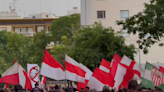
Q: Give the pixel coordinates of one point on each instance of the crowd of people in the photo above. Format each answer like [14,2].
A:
[132,87]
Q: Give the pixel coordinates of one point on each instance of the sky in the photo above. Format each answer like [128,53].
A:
[26,7]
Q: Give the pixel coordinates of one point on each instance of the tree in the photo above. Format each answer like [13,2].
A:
[63,31]
[149,24]
[96,42]
[65,26]
[23,49]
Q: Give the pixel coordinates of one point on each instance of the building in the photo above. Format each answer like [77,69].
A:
[28,27]
[9,15]
[42,15]
[74,11]
[109,11]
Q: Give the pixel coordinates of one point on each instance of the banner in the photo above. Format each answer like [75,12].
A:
[33,72]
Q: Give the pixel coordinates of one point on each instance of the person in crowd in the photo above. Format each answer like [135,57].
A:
[82,90]
[132,86]
[93,90]
[158,90]
[36,88]
[57,89]
[18,88]
[86,89]
[106,89]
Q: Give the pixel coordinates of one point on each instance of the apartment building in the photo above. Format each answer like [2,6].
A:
[109,11]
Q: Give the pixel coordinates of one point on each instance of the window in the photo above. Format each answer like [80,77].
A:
[23,30]
[47,16]
[124,33]
[33,17]
[30,30]
[40,29]
[3,29]
[17,30]
[100,14]
[124,14]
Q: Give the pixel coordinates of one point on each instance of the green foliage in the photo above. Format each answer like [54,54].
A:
[65,26]
[96,42]
[23,49]
[150,21]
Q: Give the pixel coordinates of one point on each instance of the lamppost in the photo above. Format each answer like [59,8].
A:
[139,43]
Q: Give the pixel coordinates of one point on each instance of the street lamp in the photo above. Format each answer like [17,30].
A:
[139,43]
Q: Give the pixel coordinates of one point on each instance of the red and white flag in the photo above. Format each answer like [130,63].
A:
[105,65]
[43,81]
[51,68]
[99,79]
[116,58]
[16,75]
[10,76]
[24,79]
[73,70]
[118,72]
[87,77]
[134,66]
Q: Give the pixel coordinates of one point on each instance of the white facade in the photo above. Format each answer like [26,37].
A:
[42,15]
[109,11]
[74,11]
[9,15]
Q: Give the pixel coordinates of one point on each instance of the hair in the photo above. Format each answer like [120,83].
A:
[132,85]
[87,87]
[82,88]
[56,87]
[18,88]
[1,90]
[125,90]
[106,89]
[36,84]
[93,90]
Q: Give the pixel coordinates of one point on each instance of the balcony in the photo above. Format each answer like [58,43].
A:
[30,34]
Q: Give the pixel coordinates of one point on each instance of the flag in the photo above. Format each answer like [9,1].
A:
[134,66]
[99,79]
[10,76]
[118,72]
[33,73]
[152,77]
[105,65]
[24,79]
[116,58]
[51,68]
[16,75]
[43,81]
[73,70]
[88,75]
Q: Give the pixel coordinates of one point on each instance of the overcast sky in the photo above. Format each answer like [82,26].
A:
[25,7]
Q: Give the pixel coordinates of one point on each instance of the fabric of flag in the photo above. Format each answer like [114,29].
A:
[152,77]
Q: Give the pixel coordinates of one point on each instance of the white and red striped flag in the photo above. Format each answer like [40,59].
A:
[73,70]
[51,68]
[87,77]
[43,81]
[99,79]
[157,77]
[16,75]
[105,65]
[119,72]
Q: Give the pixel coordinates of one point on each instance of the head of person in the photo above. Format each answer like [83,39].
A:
[56,87]
[36,85]
[86,89]
[82,90]
[92,90]
[133,85]
[18,88]
[144,89]
[106,89]
[158,90]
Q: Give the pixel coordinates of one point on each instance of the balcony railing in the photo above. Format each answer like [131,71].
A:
[26,34]
[57,82]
